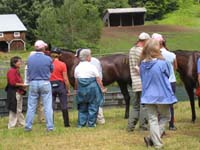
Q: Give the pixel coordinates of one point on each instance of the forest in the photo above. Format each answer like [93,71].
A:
[76,23]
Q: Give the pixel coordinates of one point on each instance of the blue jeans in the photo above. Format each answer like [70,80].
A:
[39,89]
[87,114]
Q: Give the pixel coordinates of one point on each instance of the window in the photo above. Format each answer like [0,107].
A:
[1,34]
[16,34]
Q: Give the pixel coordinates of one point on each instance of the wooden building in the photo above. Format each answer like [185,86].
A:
[124,17]
[12,33]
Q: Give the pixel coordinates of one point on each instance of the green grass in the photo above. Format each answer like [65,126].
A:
[187,15]
[111,136]
[175,40]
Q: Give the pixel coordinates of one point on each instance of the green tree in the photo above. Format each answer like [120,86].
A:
[73,25]
[27,11]
[102,5]
[156,8]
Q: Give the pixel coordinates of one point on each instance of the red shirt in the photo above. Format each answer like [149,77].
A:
[13,77]
[59,68]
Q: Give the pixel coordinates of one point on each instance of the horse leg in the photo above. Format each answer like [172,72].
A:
[125,93]
[190,92]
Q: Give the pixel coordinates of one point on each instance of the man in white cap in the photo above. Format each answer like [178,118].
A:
[39,69]
[138,112]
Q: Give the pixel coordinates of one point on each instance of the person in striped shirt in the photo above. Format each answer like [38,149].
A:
[138,112]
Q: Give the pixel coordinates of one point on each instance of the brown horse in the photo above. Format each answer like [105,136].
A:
[187,68]
[115,68]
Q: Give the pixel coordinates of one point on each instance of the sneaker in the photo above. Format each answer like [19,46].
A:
[172,128]
[27,129]
[49,130]
[148,141]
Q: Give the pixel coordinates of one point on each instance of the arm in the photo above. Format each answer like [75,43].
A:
[175,65]
[76,84]
[66,80]
[199,78]
[99,82]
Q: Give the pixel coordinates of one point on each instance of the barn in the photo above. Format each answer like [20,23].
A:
[12,33]
[124,17]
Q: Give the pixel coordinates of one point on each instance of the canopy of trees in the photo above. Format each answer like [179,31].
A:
[75,23]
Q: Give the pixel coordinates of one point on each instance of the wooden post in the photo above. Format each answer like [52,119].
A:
[120,20]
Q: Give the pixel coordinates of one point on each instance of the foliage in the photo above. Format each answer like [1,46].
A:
[187,15]
[156,8]
[102,5]
[28,12]
[72,25]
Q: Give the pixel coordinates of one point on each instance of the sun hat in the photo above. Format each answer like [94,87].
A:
[144,36]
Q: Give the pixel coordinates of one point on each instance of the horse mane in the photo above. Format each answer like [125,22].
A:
[67,50]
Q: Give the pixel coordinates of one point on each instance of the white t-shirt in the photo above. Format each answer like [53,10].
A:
[169,57]
[94,61]
[85,70]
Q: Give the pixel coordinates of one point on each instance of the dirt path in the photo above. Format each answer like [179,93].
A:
[135,30]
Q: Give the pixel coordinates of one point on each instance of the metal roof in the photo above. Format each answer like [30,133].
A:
[11,23]
[126,10]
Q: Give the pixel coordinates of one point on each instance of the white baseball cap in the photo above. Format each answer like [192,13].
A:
[144,36]
[157,37]
[39,44]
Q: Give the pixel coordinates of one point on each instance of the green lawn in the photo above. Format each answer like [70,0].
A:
[111,136]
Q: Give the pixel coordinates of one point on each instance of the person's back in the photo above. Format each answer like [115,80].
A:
[94,61]
[170,58]
[138,112]
[155,83]
[39,67]
[60,84]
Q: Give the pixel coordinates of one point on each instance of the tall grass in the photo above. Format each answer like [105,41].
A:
[111,136]
[187,15]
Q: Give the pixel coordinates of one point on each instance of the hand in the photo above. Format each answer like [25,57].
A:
[75,92]
[68,92]
[104,90]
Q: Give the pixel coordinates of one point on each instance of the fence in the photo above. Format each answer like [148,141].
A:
[112,98]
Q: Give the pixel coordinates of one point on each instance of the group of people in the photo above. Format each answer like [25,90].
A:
[152,68]
[47,79]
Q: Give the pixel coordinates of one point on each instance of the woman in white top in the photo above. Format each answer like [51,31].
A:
[89,90]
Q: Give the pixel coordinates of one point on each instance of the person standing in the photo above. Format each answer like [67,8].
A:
[170,57]
[15,90]
[138,111]
[89,90]
[39,68]
[40,108]
[157,94]
[94,61]
[60,84]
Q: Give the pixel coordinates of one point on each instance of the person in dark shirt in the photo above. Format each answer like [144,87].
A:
[15,90]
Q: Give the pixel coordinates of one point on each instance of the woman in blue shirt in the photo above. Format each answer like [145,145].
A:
[157,93]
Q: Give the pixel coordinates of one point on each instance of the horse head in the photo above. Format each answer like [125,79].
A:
[71,61]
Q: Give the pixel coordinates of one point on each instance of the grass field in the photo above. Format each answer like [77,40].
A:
[111,136]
